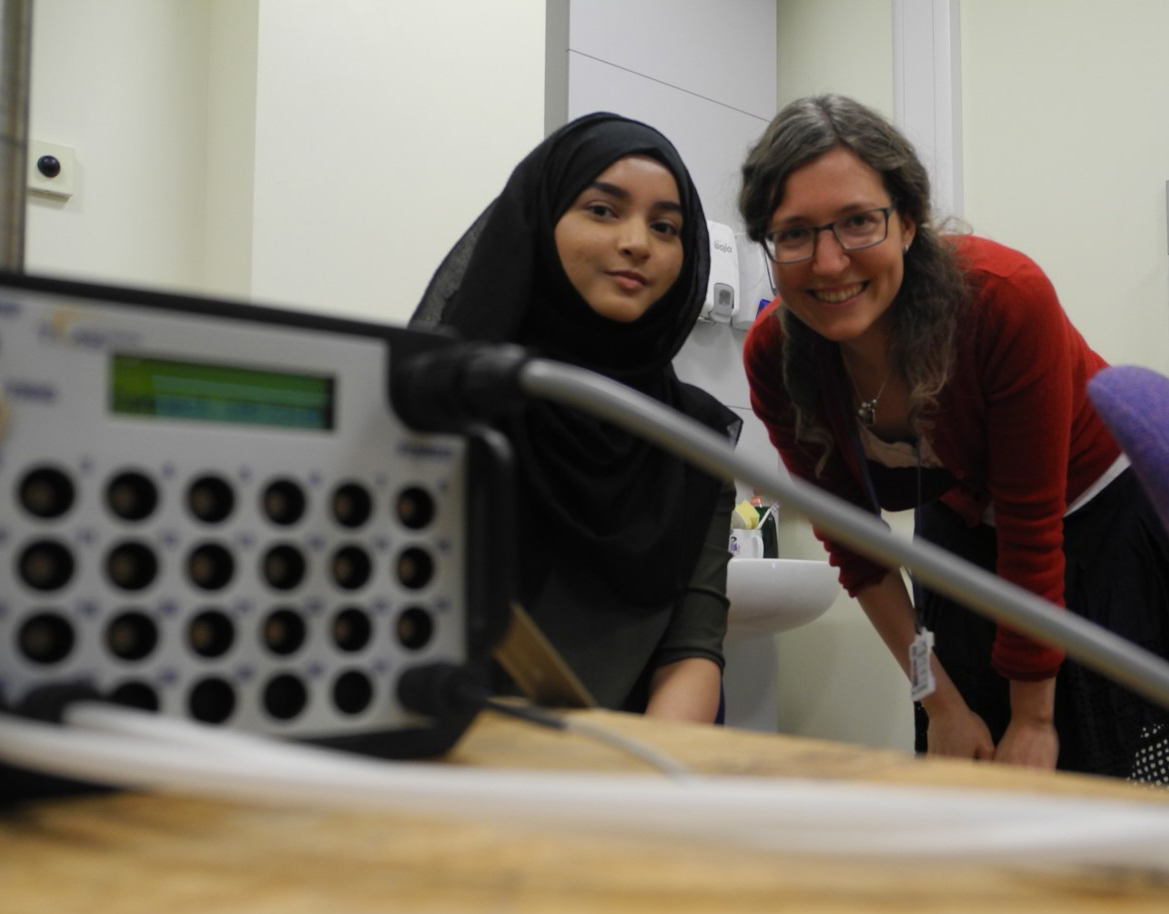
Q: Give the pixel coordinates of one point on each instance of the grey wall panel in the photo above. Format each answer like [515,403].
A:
[712,138]
[723,51]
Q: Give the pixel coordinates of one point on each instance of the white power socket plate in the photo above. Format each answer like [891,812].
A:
[62,184]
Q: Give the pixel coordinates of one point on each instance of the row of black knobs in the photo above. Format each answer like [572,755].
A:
[48,492]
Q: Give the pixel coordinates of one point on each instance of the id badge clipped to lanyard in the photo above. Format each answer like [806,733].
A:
[922,683]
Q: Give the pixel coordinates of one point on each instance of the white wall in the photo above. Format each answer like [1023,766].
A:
[123,83]
[841,46]
[323,155]
[1067,154]
[231,147]
[383,129]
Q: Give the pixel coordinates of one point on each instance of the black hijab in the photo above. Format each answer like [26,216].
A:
[593,493]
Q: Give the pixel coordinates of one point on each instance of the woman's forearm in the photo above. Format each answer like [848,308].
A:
[889,609]
[686,689]
[954,729]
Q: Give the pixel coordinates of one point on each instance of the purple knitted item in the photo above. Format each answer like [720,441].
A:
[1134,404]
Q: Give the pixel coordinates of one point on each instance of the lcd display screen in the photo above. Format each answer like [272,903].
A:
[207,392]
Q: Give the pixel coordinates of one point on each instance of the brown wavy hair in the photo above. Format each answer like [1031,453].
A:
[933,293]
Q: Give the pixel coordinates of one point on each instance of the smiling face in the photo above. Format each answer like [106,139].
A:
[841,295]
[620,241]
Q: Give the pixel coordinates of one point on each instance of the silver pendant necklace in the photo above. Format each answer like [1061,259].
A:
[867,411]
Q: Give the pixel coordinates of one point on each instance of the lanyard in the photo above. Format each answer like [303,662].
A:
[922,683]
[874,501]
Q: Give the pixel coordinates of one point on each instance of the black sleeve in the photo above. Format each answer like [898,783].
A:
[698,624]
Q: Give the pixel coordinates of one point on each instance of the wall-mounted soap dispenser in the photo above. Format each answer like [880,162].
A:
[754,281]
[722,289]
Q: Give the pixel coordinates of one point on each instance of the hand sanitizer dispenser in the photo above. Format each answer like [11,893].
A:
[722,289]
[754,282]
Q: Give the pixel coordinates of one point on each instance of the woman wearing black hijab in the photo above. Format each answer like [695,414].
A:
[596,254]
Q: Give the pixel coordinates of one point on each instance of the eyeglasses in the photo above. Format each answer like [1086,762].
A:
[853,232]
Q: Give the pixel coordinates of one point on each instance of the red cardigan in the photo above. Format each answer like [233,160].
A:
[1014,427]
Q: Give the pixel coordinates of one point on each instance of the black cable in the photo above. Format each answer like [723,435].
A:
[443,688]
[528,713]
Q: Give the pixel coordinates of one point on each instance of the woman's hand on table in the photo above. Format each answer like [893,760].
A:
[957,731]
[1030,738]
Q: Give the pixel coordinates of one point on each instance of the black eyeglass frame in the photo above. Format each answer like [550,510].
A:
[768,242]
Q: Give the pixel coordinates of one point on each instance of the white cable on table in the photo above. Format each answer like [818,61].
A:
[789,816]
[104,717]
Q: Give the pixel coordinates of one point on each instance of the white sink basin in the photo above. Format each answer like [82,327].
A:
[773,595]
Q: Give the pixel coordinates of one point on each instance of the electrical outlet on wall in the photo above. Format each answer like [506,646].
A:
[51,169]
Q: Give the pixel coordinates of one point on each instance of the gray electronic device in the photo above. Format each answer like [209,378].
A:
[212,510]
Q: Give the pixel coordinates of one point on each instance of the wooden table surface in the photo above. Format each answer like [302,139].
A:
[128,853]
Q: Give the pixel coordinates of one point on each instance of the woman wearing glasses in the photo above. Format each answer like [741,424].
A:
[903,369]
